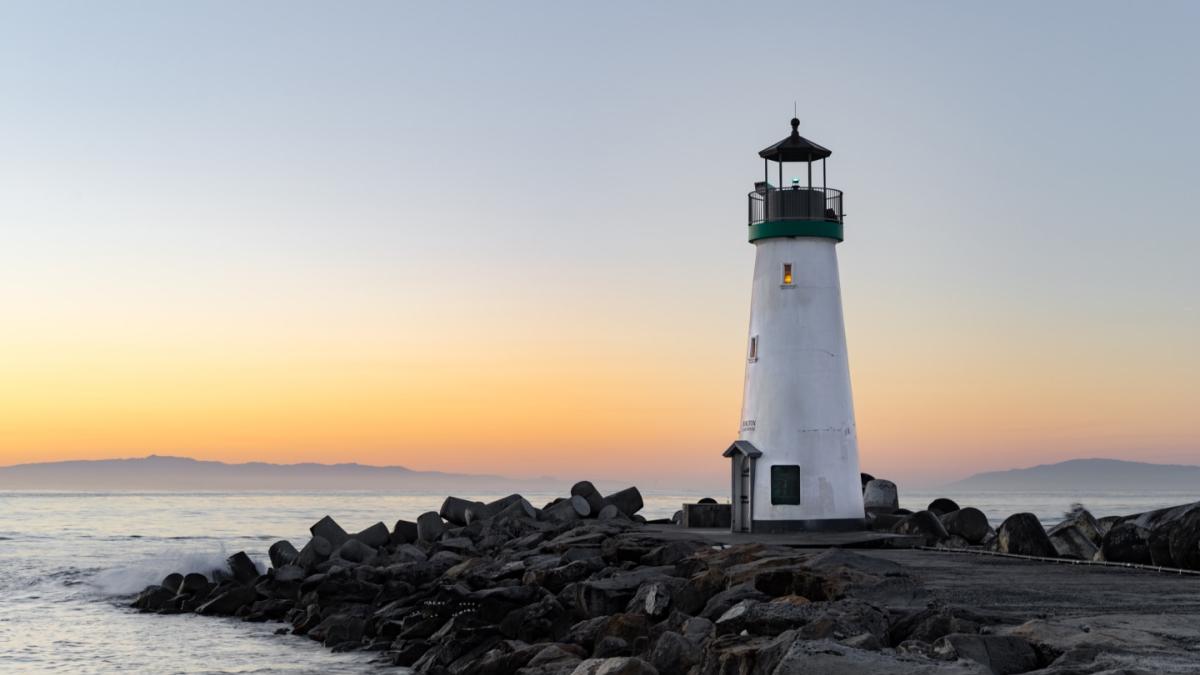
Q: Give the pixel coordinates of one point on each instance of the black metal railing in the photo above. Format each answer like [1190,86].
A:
[803,203]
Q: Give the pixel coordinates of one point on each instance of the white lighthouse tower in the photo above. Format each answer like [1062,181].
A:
[795,463]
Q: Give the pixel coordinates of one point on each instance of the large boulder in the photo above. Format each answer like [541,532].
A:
[1184,541]
[1070,542]
[454,510]
[328,529]
[1000,654]
[282,553]
[229,601]
[1082,519]
[968,523]
[924,524]
[589,492]
[404,532]
[619,665]
[243,569]
[430,526]
[316,551]
[374,536]
[881,496]
[568,510]
[674,654]
[629,501]
[1127,543]
[1023,534]
[941,506]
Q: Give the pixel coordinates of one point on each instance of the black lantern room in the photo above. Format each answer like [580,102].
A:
[795,209]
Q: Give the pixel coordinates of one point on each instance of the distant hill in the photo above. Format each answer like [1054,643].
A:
[181,473]
[1089,474]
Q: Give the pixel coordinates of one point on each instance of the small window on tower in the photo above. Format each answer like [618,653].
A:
[787,273]
[753,348]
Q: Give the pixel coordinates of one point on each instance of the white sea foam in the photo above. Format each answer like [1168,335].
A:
[131,578]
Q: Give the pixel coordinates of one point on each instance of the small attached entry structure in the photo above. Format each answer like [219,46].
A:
[743,456]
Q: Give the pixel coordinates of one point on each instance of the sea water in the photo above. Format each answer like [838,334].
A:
[71,562]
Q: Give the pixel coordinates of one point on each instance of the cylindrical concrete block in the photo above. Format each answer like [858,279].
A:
[880,496]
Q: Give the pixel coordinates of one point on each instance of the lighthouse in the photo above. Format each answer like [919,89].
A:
[794,465]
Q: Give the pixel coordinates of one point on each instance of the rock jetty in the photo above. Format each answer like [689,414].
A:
[581,586]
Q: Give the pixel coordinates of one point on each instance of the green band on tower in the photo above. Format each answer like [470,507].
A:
[827,229]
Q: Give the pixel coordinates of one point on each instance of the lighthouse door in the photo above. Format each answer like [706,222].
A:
[743,492]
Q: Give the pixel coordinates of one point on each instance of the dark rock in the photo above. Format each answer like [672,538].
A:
[609,596]
[1183,541]
[673,654]
[1022,534]
[339,628]
[929,624]
[723,601]
[243,569]
[374,536]
[328,529]
[865,478]
[941,506]
[589,492]
[865,641]
[924,524]
[409,652]
[1106,523]
[404,532]
[968,523]
[454,510]
[652,599]
[282,553]
[316,551]
[1159,542]
[880,496]
[568,510]
[1002,654]
[430,527]
[884,522]
[552,659]
[902,512]
[1127,543]
[1080,518]
[172,582]
[229,601]
[153,598]
[555,579]
[546,618]
[672,552]
[611,512]
[629,501]
[831,658]
[194,584]
[355,551]
[1069,542]
[609,646]
[762,618]
[618,665]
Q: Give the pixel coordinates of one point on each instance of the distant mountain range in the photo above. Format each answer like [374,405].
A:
[1089,474]
[181,473]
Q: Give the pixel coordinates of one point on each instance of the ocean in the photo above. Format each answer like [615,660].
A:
[70,563]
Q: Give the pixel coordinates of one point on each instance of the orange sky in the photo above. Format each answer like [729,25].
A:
[405,235]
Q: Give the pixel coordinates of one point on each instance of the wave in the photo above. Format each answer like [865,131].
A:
[131,578]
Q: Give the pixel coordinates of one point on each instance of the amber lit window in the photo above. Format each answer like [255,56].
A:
[753,347]
[787,273]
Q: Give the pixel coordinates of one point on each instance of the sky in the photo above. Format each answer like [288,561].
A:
[510,237]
